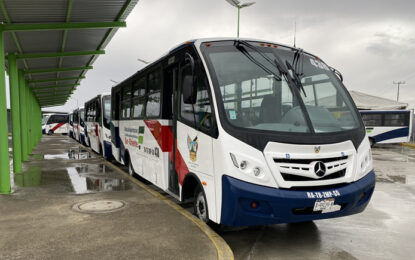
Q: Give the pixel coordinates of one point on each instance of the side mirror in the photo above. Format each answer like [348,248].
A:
[188,83]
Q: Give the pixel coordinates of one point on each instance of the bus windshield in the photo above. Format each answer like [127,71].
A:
[257,92]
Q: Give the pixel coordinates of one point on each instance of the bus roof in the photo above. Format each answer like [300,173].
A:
[197,42]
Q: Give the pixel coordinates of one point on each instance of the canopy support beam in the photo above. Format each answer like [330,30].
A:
[58,54]
[15,112]
[60,26]
[4,147]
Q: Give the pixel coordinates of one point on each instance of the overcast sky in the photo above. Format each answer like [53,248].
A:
[372,42]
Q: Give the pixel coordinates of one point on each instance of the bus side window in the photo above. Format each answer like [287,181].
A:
[139,98]
[202,109]
[126,102]
[153,90]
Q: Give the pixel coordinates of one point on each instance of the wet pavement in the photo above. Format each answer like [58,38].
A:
[383,231]
[66,176]
[69,204]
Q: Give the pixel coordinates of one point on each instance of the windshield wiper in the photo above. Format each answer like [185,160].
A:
[295,77]
[277,62]
[298,53]
[259,64]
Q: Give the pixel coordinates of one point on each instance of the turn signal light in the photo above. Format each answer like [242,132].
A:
[254,205]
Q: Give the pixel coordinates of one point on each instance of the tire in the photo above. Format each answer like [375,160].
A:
[372,142]
[50,132]
[131,171]
[200,206]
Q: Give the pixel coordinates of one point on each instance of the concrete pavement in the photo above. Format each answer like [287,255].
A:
[37,221]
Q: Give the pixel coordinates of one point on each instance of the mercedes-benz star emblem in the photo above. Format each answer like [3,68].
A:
[320,169]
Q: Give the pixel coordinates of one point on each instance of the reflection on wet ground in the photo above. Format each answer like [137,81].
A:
[73,154]
[81,178]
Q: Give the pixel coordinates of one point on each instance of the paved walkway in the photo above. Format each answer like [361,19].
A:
[37,221]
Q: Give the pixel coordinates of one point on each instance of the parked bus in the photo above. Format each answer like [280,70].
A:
[79,126]
[70,125]
[98,119]
[237,127]
[388,126]
[75,124]
[54,123]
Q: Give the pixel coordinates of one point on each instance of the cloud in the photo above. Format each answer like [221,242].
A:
[371,42]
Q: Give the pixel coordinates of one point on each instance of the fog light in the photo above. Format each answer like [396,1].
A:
[257,171]
[243,165]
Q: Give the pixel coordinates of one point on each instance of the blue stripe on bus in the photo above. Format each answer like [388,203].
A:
[384,112]
[275,206]
[401,132]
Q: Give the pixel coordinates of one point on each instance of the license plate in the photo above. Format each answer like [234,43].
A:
[324,205]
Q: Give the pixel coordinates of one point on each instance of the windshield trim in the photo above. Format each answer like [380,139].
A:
[259,138]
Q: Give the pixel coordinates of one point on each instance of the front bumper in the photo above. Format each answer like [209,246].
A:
[287,205]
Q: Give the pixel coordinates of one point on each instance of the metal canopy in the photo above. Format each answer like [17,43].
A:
[57,41]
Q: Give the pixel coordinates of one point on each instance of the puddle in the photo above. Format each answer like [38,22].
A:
[85,182]
[76,154]
[392,179]
[31,178]
[83,179]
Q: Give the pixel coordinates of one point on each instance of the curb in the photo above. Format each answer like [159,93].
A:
[222,248]
[410,145]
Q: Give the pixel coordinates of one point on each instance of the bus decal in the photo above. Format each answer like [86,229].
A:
[193,146]
[57,126]
[164,138]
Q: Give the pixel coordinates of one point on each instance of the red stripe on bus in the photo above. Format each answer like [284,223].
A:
[57,126]
[164,137]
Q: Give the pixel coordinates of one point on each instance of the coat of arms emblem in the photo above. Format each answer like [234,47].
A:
[192,145]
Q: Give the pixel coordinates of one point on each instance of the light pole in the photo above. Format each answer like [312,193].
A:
[238,5]
[399,83]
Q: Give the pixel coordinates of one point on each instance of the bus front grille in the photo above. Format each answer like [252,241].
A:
[335,175]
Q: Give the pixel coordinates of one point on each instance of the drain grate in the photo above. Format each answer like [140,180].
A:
[99,206]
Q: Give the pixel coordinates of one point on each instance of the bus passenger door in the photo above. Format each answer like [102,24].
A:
[172,74]
[195,128]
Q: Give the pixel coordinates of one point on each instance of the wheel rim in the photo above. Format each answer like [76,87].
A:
[201,207]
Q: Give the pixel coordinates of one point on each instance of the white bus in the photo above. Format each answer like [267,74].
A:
[98,119]
[54,123]
[388,126]
[79,131]
[237,127]
[70,125]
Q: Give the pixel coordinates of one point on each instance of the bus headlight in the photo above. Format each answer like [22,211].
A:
[247,166]
[364,159]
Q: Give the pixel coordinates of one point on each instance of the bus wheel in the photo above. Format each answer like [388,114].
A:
[200,205]
[50,132]
[130,168]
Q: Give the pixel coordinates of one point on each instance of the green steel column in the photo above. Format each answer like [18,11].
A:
[15,108]
[4,147]
[27,110]
[23,116]
[30,106]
